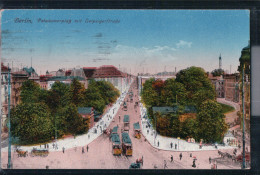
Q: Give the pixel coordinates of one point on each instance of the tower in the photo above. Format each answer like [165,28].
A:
[220,62]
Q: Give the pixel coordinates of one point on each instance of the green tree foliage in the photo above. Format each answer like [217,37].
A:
[99,94]
[190,88]
[245,60]
[58,96]
[195,79]
[149,95]
[189,128]
[174,92]
[168,125]
[31,123]
[44,111]
[212,126]
[69,121]
[76,92]
[217,72]
[30,92]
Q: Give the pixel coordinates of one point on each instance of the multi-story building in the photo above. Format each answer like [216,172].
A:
[65,80]
[4,93]
[232,87]
[109,73]
[219,84]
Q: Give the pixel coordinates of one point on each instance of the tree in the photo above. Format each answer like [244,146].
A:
[173,92]
[211,122]
[245,60]
[76,92]
[31,123]
[195,79]
[68,121]
[149,95]
[108,91]
[58,96]
[30,92]
[189,128]
[217,72]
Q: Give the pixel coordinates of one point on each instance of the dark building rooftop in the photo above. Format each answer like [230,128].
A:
[84,110]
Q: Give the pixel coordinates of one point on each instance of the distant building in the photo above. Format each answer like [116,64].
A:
[232,87]
[87,113]
[219,85]
[108,73]
[65,80]
[4,93]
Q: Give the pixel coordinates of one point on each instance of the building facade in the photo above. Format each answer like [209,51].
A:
[232,87]
[109,73]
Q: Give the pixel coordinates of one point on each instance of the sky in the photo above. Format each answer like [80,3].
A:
[136,41]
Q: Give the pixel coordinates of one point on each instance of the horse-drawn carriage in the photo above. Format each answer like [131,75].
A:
[137,130]
[39,152]
[22,153]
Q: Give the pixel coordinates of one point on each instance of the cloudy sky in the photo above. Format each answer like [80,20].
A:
[136,40]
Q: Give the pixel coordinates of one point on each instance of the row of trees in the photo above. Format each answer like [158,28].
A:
[42,112]
[190,88]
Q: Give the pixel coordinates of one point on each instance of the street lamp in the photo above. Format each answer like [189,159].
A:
[243,106]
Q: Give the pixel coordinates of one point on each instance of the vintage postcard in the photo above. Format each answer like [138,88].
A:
[125,89]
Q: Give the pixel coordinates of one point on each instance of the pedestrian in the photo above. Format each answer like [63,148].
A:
[175,146]
[165,164]
[83,150]
[87,148]
[119,118]
[190,154]
[158,144]
[193,164]
[171,144]
[47,146]
[209,160]
[171,158]
[63,150]
[180,156]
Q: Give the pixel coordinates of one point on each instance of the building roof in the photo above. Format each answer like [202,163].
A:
[115,139]
[165,109]
[126,118]
[107,71]
[20,73]
[228,134]
[84,110]
[4,68]
[89,71]
[125,138]
[169,109]
[137,126]
[64,78]
[190,109]
[29,70]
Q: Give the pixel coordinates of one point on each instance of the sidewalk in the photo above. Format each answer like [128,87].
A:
[165,142]
[85,139]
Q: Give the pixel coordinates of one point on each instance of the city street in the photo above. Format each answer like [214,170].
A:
[99,154]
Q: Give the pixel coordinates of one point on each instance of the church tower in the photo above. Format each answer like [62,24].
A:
[220,62]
